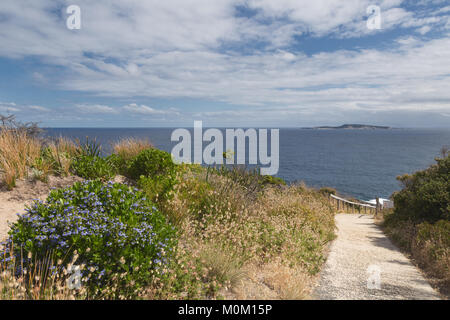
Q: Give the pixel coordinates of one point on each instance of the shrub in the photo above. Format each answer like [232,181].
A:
[426,194]
[273,180]
[9,123]
[120,240]
[151,163]
[420,220]
[158,188]
[93,167]
[249,179]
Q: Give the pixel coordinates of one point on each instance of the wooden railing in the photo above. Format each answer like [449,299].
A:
[344,205]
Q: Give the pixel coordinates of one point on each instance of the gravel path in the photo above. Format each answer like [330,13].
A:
[360,253]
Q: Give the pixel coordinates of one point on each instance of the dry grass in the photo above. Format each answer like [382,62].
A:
[221,265]
[280,233]
[289,283]
[130,147]
[60,154]
[22,156]
[18,152]
[40,282]
[273,280]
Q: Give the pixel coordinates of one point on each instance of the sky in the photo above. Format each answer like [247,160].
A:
[228,63]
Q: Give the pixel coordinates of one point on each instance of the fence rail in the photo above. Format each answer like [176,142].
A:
[351,206]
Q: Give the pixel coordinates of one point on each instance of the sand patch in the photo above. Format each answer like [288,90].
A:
[13,202]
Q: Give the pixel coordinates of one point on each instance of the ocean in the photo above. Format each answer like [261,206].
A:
[360,163]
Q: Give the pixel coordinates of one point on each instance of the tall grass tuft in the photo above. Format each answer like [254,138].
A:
[58,156]
[44,278]
[18,152]
[129,148]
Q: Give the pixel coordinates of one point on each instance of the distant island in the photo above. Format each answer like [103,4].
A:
[351,126]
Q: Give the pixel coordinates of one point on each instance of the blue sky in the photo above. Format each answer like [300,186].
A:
[262,63]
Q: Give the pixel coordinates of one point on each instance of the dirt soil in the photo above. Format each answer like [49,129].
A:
[13,202]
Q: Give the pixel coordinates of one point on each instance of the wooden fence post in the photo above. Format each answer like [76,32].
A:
[378,204]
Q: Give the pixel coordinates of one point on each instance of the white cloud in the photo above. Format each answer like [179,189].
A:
[424,30]
[39,108]
[8,107]
[95,108]
[12,107]
[146,110]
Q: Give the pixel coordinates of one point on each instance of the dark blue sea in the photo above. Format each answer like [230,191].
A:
[359,163]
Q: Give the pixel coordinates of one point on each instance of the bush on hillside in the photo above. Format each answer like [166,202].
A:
[120,238]
[426,194]
[151,163]
[158,188]
[273,180]
[92,167]
[420,220]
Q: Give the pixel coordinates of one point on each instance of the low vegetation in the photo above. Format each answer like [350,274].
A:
[174,232]
[420,221]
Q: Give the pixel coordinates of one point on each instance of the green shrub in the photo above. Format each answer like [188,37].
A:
[120,238]
[273,180]
[159,187]
[420,220]
[151,163]
[426,194]
[93,167]
[119,163]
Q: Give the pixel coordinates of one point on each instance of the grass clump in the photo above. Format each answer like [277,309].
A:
[18,152]
[57,156]
[129,148]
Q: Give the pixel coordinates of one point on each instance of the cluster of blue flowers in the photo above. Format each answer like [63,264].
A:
[104,223]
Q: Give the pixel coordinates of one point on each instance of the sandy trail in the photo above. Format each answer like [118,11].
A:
[360,252]
[14,201]
[8,213]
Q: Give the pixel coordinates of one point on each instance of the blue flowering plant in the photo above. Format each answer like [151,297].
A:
[121,242]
